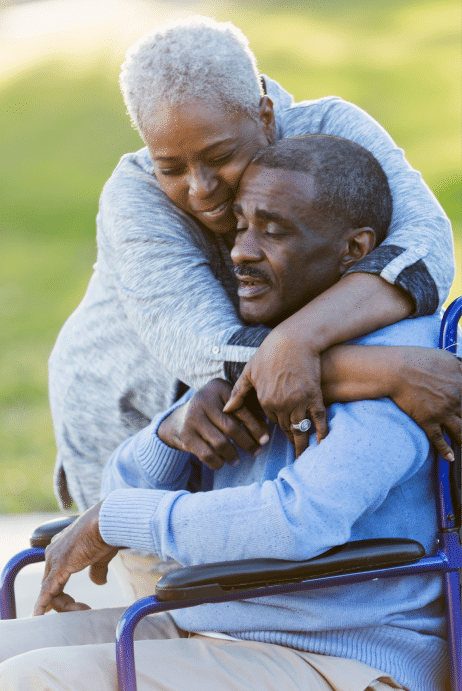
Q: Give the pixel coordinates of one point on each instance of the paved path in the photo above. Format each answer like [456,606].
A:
[15,530]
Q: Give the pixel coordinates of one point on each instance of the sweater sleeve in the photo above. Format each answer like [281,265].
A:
[418,254]
[310,506]
[145,461]
[171,278]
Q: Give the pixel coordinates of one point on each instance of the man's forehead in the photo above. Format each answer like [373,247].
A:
[271,186]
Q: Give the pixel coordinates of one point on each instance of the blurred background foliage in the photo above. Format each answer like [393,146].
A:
[64,128]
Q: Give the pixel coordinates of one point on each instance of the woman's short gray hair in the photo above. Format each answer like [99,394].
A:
[195,58]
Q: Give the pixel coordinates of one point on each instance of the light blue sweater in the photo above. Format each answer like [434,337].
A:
[162,302]
[371,477]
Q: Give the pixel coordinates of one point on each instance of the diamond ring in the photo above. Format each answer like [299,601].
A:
[303,425]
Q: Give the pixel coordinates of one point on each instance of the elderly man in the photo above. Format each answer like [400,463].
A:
[308,208]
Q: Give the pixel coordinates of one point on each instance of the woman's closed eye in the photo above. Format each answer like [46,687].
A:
[216,160]
[171,171]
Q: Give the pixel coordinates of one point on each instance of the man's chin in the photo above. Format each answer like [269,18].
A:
[255,314]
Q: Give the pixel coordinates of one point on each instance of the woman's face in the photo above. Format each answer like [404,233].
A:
[199,153]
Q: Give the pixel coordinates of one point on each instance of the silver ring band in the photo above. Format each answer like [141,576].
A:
[303,425]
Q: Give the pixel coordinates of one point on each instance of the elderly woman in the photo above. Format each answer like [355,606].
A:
[160,308]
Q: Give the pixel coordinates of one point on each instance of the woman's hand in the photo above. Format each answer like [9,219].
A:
[429,390]
[76,547]
[426,383]
[202,428]
[286,374]
[286,371]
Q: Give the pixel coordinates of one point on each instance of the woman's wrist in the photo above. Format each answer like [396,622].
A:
[353,373]
[358,304]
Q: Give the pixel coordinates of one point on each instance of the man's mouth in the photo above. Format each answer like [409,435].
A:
[250,283]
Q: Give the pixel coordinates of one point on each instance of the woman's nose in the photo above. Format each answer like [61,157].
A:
[202,182]
[246,248]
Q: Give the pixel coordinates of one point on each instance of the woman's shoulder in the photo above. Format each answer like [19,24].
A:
[133,167]
[133,188]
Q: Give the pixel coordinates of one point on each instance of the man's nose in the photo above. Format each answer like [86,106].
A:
[246,247]
[202,182]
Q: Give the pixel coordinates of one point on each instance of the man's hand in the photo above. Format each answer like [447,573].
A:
[78,546]
[429,390]
[286,375]
[202,428]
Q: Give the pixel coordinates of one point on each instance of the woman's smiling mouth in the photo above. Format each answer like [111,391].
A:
[216,212]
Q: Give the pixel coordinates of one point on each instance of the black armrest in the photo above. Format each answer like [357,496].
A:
[41,537]
[212,579]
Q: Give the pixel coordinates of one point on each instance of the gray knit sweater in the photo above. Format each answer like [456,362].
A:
[161,305]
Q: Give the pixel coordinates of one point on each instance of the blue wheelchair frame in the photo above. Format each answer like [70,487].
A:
[351,563]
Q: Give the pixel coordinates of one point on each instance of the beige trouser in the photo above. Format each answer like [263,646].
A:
[76,652]
[138,575]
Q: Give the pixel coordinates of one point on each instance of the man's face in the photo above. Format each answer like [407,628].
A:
[285,253]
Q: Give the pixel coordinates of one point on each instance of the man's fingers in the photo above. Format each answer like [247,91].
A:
[216,436]
[256,428]
[240,389]
[66,603]
[98,572]
[52,586]
[206,454]
[240,435]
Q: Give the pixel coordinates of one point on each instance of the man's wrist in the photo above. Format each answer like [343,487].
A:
[164,431]
[167,430]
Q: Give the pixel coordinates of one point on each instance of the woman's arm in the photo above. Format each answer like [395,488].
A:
[418,253]
[287,366]
[408,275]
[425,383]
[172,278]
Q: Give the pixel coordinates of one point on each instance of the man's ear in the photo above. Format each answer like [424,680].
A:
[357,243]
[266,117]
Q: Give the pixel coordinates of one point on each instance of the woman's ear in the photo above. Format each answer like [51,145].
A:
[358,243]
[266,117]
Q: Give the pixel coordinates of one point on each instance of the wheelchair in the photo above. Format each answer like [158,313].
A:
[353,562]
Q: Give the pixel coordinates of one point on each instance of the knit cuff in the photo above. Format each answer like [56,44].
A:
[125,518]
[159,462]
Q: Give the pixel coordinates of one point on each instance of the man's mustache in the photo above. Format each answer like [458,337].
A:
[252,272]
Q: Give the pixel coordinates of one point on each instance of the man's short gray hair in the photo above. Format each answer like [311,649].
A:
[351,185]
[190,59]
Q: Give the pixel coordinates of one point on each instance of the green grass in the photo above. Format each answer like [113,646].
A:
[63,132]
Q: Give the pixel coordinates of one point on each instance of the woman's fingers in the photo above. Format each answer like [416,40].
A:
[436,436]
[454,427]
[287,382]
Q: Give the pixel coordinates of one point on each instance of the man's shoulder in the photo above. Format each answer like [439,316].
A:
[422,331]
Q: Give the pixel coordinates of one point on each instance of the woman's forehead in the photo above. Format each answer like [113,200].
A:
[193,126]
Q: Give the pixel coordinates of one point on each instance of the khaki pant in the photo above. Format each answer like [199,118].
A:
[137,574]
[76,652]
